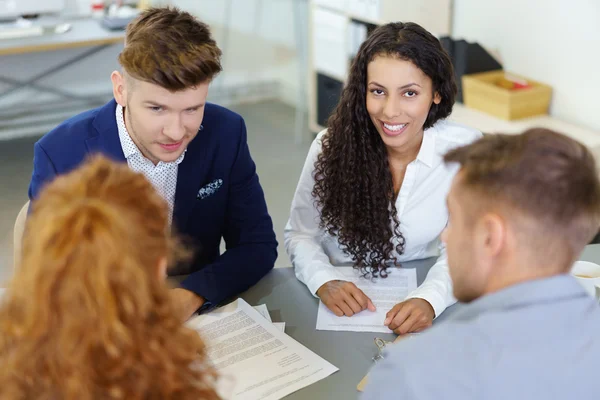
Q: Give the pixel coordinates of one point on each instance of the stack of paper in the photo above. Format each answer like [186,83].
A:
[254,358]
[262,310]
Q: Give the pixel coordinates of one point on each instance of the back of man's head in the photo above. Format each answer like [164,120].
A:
[170,48]
[544,184]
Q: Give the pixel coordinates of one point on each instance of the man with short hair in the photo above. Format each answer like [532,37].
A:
[522,208]
[195,153]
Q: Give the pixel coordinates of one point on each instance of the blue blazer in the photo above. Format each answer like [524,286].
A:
[236,211]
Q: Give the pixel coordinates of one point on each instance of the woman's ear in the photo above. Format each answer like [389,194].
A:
[437,99]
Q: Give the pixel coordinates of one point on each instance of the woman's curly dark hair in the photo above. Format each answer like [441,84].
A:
[353,182]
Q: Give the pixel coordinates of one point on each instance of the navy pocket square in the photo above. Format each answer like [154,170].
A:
[209,189]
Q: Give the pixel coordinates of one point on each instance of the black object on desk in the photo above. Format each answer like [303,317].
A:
[329,91]
[468,58]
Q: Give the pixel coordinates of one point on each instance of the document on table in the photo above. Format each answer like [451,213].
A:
[385,294]
[1,293]
[262,361]
[264,311]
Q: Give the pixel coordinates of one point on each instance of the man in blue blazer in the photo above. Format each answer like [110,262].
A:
[195,153]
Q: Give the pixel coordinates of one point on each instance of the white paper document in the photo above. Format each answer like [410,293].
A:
[1,293]
[262,361]
[262,310]
[280,326]
[385,293]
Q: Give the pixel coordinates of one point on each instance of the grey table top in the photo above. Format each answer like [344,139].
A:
[83,32]
[289,301]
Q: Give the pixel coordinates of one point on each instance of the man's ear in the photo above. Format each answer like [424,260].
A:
[494,231]
[119,85]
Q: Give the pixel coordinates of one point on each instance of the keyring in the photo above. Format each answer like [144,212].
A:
[380,343]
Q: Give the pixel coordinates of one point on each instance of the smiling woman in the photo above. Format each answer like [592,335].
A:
[399,112]
[373,187]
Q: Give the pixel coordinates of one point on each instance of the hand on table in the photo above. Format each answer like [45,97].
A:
[412,315]
[185,302]
[344,298]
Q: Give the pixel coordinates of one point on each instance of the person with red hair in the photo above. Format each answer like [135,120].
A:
[72,325]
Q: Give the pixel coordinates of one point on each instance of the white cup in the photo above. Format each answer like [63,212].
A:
[588,275]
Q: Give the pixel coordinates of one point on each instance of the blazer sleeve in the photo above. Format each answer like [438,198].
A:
[43,171]
[251,247]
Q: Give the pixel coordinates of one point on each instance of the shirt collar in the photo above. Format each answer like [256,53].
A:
[427,151]
[130,149]
[545,290]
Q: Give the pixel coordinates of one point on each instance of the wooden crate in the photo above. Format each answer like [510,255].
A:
[481,92]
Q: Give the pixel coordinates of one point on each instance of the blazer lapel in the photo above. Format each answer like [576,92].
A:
[106,138]
[190,175]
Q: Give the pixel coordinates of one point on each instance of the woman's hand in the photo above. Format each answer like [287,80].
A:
[344,298]
[412,315]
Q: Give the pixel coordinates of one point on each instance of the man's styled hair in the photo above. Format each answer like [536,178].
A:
[541,174]
[170,48]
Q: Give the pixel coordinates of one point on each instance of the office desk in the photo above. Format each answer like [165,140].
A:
[85,32]
[289,301]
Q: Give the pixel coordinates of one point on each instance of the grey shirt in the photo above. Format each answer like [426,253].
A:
[535,340]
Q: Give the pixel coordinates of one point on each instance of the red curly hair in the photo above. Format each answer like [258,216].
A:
[87,315]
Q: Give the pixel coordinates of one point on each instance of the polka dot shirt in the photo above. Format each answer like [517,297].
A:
[163,176]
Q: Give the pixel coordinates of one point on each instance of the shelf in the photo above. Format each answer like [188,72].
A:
[490,124]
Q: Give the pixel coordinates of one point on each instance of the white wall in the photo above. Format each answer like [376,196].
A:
[261,44]
[269,19]
[91,76]
[554,41]
[259,48]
